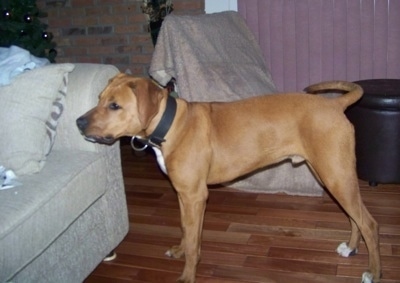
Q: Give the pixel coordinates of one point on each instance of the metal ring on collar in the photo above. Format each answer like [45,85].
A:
[135,147]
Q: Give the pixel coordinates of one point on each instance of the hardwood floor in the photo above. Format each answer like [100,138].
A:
[247,237]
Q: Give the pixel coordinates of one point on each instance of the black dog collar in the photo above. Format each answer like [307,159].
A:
[157,137]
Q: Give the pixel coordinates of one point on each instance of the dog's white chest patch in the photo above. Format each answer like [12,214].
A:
[296,159]
[160,160]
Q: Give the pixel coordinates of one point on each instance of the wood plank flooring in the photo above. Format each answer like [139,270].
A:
[247,237]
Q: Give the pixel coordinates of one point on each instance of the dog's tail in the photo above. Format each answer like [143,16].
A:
[354,91]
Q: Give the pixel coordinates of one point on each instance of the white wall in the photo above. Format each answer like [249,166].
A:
[213,6]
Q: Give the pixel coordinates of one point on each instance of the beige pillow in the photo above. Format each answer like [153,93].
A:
[29,111]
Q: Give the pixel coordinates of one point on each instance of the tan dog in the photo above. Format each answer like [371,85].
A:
[205,139]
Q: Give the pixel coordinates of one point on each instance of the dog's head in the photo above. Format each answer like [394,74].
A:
[125,108]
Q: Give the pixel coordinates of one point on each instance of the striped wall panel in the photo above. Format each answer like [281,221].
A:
[307,41]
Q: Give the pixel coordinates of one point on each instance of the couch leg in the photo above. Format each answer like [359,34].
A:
[111,256]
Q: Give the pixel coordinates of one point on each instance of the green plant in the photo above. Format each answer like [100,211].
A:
[156,11]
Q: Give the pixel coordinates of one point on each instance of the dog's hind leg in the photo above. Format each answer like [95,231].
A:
[350,248]
[334,161]
[344,188]
[362,221]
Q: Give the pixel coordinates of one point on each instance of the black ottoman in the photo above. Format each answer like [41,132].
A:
[376,119]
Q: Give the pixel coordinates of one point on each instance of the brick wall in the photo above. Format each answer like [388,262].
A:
[106,31]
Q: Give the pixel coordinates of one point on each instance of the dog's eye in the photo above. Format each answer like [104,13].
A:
[114,106]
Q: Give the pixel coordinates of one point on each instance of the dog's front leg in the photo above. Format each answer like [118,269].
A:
[179,250]
[192,204]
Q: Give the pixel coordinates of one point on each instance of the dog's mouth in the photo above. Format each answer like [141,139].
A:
[104,140]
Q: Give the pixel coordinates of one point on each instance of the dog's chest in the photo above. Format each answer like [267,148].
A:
[160,160]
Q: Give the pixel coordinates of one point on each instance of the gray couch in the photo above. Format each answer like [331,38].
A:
[69,214]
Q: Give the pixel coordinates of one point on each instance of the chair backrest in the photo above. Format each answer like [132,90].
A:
[213,57]
[309,41]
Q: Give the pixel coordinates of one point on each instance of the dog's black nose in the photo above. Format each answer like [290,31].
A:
[82,123]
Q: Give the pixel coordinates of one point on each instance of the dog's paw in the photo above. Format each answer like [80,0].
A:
[344,250]
[367,278]
[175,252]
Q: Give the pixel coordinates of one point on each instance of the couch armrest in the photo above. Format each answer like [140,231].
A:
[85,83]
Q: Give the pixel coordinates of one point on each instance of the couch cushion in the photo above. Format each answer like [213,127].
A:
[30,108]
[36,213]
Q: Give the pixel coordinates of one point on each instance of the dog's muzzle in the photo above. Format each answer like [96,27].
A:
[82,124]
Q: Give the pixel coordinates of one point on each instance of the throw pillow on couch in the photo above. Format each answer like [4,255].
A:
[29,111]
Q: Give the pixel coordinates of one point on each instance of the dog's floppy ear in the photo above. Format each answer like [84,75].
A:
[118,76]
[148,96]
